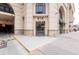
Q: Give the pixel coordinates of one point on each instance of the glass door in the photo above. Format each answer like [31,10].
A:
[40,28]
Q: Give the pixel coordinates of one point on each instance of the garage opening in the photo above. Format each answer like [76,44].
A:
[6,28]
[6,18]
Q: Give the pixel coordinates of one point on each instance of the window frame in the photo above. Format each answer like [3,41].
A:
[42,6]
[6,8]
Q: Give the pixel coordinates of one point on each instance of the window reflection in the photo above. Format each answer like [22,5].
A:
[40,8]
[6,8]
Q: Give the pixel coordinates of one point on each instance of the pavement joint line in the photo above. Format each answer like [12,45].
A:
[40,46]
[21,44]
[41,52]
[25,46]
[68,37]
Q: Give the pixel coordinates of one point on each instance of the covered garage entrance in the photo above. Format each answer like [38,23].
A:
[6,18]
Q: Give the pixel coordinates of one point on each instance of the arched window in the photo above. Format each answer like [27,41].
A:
[6,8]
[40,8]
[61,12]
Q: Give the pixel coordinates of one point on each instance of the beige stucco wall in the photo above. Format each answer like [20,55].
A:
[27,25]
[18,21]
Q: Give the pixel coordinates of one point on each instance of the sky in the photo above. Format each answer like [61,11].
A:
[76,13]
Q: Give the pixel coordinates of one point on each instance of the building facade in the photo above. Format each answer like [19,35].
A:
[36,19]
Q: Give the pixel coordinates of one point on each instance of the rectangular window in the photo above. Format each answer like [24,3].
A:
[6,9]
[1,8]
[40,8]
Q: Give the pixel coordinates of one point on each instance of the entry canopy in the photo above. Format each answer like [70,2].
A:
[6,16]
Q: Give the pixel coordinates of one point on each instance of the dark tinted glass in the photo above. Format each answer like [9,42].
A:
[40,8]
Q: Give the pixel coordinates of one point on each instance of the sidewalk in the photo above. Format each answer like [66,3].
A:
[33,43]
[65,44]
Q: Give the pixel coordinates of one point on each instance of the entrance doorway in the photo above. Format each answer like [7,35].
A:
[40,28]
[61,20]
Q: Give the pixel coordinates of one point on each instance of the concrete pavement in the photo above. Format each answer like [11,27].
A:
[33,43]
[13,47]
[65,44]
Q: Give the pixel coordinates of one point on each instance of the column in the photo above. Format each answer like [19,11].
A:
[53,20]
[28,21]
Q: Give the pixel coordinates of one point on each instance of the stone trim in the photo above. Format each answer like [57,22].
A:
[29,32]
[53,33]
[53,30]
[18,29]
